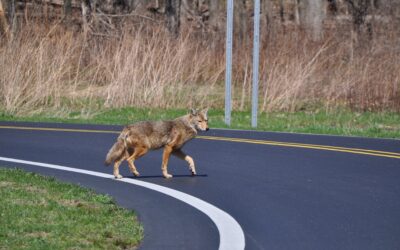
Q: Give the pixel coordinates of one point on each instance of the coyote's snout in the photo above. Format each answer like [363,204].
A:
[137,139]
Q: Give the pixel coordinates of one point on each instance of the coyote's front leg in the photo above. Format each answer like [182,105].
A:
[166,154]
[181,155]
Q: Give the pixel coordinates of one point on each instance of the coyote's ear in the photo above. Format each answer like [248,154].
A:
[204,111]
[193,112]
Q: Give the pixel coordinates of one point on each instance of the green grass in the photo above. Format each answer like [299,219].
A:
[39,212]
[339,122]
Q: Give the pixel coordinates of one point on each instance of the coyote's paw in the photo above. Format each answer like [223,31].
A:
[166,175]
[136,173]
[118,176]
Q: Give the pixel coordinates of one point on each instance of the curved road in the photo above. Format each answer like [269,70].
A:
[286,191]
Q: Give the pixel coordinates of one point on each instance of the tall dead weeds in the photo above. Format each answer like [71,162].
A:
[49,69]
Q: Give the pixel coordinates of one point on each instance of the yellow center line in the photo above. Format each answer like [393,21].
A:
[229,139]
[300,145]
[62,129]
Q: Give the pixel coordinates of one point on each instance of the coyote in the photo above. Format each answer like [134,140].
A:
[137,139]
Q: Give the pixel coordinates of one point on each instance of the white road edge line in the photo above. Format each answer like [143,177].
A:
[230,233]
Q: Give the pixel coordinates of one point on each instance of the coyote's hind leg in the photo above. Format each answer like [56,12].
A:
[139,151]
[116,168]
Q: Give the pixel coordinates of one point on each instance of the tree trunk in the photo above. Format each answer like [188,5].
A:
[188,12]
[214,12]
[11,16]
[128,5]
[86,14]
[359,10]
[282,11]
[172,10]
[267,8]
[67,9]
[297,13]
[240,22]
[3,20]
[311,16]
[215,26]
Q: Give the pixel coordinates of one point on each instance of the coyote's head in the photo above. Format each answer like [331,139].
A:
[199,119]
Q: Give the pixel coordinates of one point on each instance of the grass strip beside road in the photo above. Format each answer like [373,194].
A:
[39,212]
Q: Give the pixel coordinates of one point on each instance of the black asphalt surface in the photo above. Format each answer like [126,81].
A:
[283,197]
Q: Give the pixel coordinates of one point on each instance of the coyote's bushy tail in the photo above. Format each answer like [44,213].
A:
[115,152]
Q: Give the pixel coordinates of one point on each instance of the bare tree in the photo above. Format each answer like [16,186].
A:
[12,20]
[86,13]
[311,15]
[297,12]
[282,10]
[332,7]
[172,11]
[267,7]
[240,22]
[358,10]
[189,12]
[128,5]
[3,20]
[198,13]
[67,9]
[214,12]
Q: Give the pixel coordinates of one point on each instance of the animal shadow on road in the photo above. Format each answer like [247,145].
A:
[160,176]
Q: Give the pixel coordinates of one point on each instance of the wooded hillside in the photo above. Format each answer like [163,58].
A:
[170,53]
[314,16]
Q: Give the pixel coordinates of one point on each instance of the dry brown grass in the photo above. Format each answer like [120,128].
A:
[52,69]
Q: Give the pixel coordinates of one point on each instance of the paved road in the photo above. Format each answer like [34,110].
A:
[286,191]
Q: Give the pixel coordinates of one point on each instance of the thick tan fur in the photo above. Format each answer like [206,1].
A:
[137,139]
